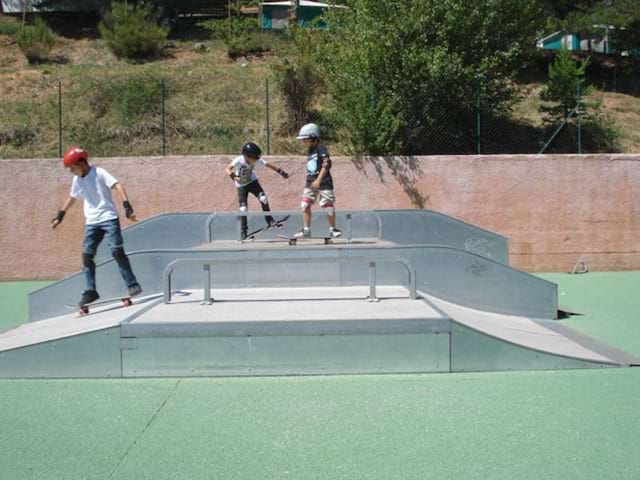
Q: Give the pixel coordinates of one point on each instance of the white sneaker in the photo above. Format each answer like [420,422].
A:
[335,233]
[304,233]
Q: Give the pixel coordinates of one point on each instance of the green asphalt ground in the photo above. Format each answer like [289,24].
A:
[578,424]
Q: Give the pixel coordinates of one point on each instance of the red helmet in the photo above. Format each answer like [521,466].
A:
[74,155]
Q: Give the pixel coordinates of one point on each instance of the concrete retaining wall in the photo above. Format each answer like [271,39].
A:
[556,210]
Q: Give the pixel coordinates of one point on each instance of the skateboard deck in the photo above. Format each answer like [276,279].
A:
[294,240]
[278,223]
[84,310]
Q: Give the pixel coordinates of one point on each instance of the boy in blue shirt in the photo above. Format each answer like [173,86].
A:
[319,181]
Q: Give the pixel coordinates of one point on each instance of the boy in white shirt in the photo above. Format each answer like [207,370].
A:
[241,172]
[94,185]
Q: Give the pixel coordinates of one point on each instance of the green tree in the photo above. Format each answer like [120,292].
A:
[132,32]
[564,96]
[36,41]
[402,79]
[564,87]
[297,76]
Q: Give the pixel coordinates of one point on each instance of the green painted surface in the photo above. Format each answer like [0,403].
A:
[609,304]
[72,429]
[13,302]
[518,425]
[529,425]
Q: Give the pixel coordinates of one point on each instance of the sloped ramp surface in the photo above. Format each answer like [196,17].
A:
[523,343]
[69,346]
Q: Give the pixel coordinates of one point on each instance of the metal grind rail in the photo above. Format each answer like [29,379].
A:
[346,214]
[207,263]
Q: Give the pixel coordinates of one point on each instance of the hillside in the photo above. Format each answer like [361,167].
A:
[212,104]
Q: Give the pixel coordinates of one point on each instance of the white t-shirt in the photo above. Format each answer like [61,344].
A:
[95,190]
[244,171]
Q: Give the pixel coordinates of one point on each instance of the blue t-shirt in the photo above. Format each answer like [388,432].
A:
[317,158]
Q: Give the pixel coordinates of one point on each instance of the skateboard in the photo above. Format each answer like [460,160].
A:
[84,310]
[294,240]
[277,223]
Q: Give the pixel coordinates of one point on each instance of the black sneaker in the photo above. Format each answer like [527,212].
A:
[88,296]
[134,290]
[243,236]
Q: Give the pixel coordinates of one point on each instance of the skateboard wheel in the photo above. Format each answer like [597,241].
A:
[84,310]
[127,302]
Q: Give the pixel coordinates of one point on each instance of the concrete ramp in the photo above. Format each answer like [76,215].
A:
[293,331]
[482,341]
[69,346]
[295,310]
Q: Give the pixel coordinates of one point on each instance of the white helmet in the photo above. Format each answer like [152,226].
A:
[310,130]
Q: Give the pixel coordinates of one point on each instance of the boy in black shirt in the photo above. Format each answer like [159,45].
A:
[319,181]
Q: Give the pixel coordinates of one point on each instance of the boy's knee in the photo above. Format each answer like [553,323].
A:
[87,260]
[263,199]
[329,209]
[119,255]
[305,205]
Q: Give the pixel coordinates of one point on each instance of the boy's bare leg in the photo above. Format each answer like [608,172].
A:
[332,220]
[306,217]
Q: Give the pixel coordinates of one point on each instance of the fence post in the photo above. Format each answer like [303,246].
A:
[266,91]
[578,120]
[478,120]
[59,118]
[164,135]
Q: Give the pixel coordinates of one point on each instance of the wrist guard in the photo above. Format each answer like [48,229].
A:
[128,209]
[282,173]
[60,216]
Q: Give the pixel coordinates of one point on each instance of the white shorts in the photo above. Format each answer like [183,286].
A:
[327,198]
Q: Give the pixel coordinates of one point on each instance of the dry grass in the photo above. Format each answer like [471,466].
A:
[213,104]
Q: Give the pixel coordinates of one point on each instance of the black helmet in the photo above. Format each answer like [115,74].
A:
[252,150]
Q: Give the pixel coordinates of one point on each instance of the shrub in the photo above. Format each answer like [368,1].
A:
[297,76]
[564,86]
[36,41]
[17,136]
[131,31]
[242,36]
[393,79]
[599,132]
[129,99]
[8,26]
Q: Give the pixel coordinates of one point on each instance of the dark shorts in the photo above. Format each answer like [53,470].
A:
[243,192]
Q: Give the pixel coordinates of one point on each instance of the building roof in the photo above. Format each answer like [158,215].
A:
[304,3]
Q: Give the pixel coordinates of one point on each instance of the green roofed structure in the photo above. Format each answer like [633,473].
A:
[275,15]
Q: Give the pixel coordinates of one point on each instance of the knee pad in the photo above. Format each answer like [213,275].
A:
[87,260]
[243,207]
[263,199]
[306,204]
[329,209]
[119,255]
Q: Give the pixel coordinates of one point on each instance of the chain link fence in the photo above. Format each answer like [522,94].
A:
[215,113]
[475,128]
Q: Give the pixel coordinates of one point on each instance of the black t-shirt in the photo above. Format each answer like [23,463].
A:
[317,158]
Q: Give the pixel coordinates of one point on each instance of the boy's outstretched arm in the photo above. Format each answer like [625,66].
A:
[279,171]
[61,213]
[229,171]
[128,209]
